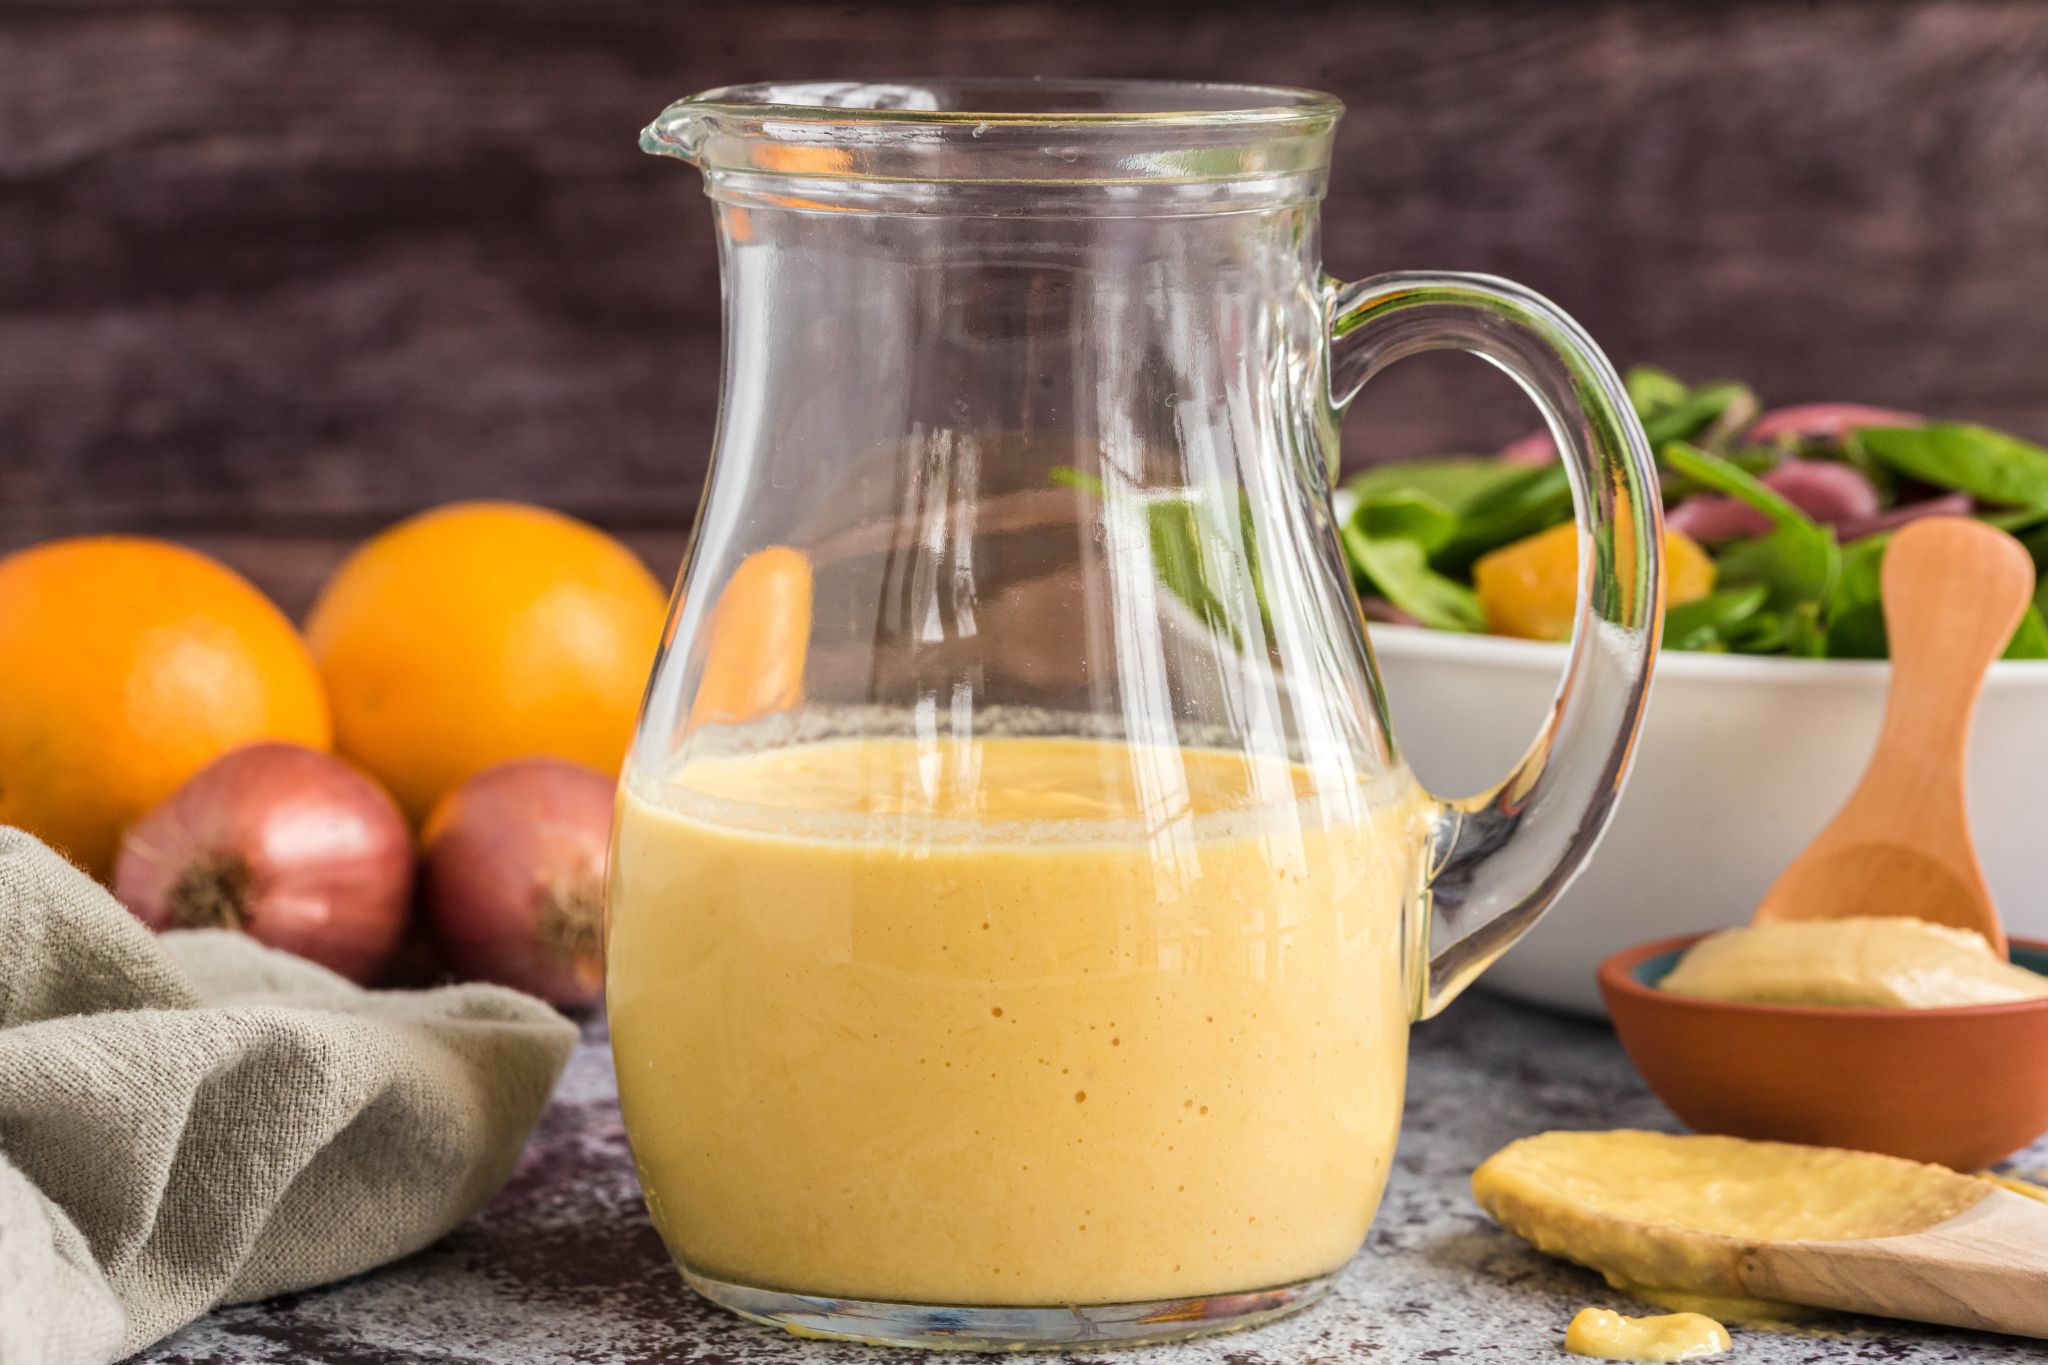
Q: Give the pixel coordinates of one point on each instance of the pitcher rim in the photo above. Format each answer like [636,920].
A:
[945,146]
[1248,102]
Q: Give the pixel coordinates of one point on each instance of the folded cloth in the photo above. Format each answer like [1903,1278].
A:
[193,1119]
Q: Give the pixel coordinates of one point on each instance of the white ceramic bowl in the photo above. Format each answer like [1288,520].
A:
[1742,761]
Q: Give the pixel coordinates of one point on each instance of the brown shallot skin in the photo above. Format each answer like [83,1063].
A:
[514,878]
[291,846]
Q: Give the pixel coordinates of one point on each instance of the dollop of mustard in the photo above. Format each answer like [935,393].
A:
[1608,1335]
[1866,962]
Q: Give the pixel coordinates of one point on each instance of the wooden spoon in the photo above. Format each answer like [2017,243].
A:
[1953,591]
[1983,1268]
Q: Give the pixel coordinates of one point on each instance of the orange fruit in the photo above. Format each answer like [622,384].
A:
[481,632]
[126,665]
[1530,588]
[757,640]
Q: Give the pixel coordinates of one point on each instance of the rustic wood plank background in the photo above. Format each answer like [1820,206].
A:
[272,273]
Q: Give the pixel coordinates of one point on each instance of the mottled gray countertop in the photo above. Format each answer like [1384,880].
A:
[564,1266]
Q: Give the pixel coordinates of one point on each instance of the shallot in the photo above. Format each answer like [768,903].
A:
[291,846]
[1946,505]
[1380,609]
[1830,493]
[1535,450]
[1824,422]
[514,877]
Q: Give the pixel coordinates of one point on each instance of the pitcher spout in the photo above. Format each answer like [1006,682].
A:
[678,132]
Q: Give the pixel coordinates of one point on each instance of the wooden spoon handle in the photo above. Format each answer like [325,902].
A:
[1985,1268]
[1942,640]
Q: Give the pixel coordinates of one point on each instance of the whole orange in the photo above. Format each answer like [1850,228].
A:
[126,665]
[482,632]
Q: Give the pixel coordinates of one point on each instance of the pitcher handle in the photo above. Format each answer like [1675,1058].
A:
[1497,860]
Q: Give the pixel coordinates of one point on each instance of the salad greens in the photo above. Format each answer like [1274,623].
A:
[1193,550]
[1796,564]
[1988,465]
[1400,567]
[1795,509]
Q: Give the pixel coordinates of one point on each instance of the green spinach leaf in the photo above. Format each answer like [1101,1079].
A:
[1066,476]
[1181,551]
[1399,569]
[1407,515]
[1987,464]
[2030,640]
[1720,475]
[1856,607]
[1192,555]
[1672,411]
[1764,633]
[1806,635]
[1856,628]
[1857,632]
[1708,622]
[1534,500]
[1711,413]
[1453,483]
[1798,562]
[1753,460]
[1651,390]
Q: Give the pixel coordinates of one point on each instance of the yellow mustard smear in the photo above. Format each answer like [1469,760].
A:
[1668,1219]
[1608,1335]
[2028,1185]
[1862,962]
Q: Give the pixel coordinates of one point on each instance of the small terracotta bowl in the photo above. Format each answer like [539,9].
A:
[1960,1087]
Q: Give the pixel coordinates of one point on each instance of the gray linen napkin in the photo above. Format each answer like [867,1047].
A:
[193,1119]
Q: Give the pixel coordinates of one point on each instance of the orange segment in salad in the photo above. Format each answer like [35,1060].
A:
[1529,588]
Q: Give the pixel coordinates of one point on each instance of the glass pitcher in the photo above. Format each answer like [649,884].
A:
[1018,903]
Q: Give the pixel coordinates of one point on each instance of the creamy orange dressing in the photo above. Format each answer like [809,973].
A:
[1027,1021]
